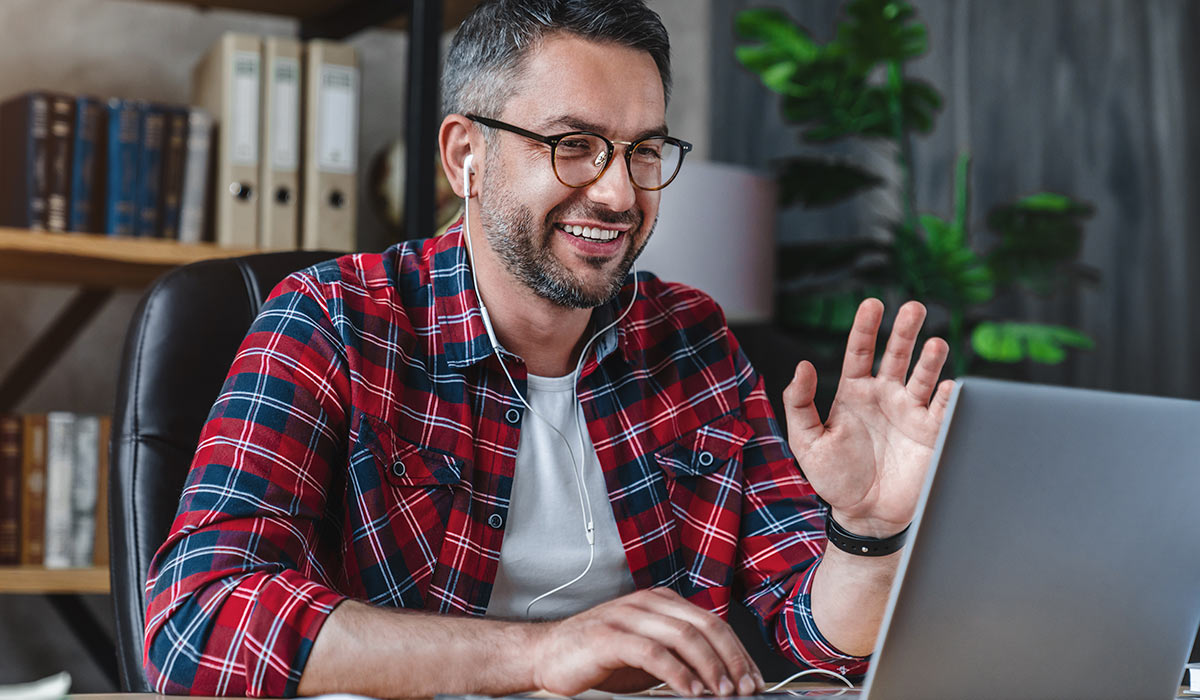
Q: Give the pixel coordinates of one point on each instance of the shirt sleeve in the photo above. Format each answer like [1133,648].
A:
[240,589]
[782,537]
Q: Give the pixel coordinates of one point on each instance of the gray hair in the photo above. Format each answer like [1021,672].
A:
[489,49]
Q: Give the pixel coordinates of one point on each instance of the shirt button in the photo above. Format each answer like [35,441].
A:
[706,458]
[399,469]
[496,521]
[513,416]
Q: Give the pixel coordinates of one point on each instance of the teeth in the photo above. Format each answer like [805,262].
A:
[595,234]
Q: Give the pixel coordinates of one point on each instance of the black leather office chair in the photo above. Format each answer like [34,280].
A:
[179,348]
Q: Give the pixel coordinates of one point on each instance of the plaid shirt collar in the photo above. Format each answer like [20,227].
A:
[458,319]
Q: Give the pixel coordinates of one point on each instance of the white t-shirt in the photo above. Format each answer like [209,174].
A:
[544,542]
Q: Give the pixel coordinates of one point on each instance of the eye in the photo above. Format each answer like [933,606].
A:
[574,147]
[648,151]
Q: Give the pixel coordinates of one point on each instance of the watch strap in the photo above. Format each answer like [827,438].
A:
[861,546]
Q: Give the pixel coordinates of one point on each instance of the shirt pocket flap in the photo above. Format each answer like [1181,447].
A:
[706,449]
[406,463]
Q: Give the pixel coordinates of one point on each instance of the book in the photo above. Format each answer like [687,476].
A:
[330,203]
[100,555]
[122,137]
[173,161]
[60,468]
[149,172]
[86,444]
[226,82]
[87,157]
[23,160]
[60,140]
[197,170]
[10,489]
[33,495]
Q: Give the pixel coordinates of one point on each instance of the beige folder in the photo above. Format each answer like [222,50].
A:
[227,83]
[279,167]
[329,198]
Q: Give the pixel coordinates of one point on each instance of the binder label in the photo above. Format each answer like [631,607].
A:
[337,119]
[284,134]
[244,109]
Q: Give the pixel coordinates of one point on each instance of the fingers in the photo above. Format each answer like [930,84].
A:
[639,652]
[803,421]
[929,366]
[898,354]
[937,408]
[860,346]
[743,673]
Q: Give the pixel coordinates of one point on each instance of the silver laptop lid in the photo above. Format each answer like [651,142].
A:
[1056,553]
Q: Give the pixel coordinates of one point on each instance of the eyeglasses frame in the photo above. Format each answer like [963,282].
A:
[553,140]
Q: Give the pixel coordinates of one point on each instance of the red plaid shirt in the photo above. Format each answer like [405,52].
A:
[364,442]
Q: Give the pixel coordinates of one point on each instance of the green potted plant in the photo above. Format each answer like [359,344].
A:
[854,87]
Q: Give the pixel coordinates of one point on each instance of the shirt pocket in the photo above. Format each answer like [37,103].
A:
[400,501]
[704,482]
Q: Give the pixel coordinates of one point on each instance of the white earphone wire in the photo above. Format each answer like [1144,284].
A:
[584,499]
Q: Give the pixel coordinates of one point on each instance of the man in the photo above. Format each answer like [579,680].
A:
[388,463]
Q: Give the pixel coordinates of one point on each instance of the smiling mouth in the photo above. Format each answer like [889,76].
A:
[589,233]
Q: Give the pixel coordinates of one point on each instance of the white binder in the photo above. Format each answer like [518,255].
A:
[279,167]
[227,83]
[331,108]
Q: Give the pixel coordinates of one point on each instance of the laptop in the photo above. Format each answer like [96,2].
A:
[1055,552]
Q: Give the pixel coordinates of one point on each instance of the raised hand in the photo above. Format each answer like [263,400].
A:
[868,460]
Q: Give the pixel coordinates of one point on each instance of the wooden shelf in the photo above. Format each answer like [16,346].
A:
[39,580]
[454,11]
[94,260]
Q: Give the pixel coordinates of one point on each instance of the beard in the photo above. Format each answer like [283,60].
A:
[524,248]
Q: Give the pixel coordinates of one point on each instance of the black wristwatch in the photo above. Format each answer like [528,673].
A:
[851,543]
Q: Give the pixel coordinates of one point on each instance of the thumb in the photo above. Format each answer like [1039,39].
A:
[804,424]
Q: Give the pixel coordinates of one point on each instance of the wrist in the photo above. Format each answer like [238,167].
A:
[844,538]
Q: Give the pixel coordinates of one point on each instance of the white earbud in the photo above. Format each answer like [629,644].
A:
[467,170]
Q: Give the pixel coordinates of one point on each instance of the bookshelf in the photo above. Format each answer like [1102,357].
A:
[98,266]
[39,581]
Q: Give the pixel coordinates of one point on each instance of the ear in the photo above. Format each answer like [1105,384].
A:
[457,139]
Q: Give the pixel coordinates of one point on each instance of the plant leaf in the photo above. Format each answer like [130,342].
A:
[1013,342]
[817,182]
[1040,236]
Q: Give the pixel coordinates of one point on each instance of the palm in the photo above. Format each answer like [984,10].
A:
[868,460]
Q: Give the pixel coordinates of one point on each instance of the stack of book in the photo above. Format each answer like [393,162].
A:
[54,490]
[120,167]
[267,156]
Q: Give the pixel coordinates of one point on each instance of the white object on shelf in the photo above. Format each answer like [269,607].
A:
[49,688]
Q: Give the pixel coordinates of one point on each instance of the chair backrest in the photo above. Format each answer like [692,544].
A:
[180,345]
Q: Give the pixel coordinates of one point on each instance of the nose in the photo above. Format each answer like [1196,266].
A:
[614,189]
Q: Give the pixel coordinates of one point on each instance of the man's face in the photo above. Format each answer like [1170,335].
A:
[532,221]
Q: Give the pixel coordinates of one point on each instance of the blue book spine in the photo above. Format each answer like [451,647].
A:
[85,166]
[123,138]
[149,177]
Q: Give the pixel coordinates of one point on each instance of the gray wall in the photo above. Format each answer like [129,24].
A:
[146,50]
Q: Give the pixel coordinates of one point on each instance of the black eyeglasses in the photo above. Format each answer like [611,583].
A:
[579,158]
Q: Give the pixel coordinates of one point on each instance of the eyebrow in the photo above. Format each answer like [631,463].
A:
[577,124]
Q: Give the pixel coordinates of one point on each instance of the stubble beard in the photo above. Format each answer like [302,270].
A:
[526,251]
